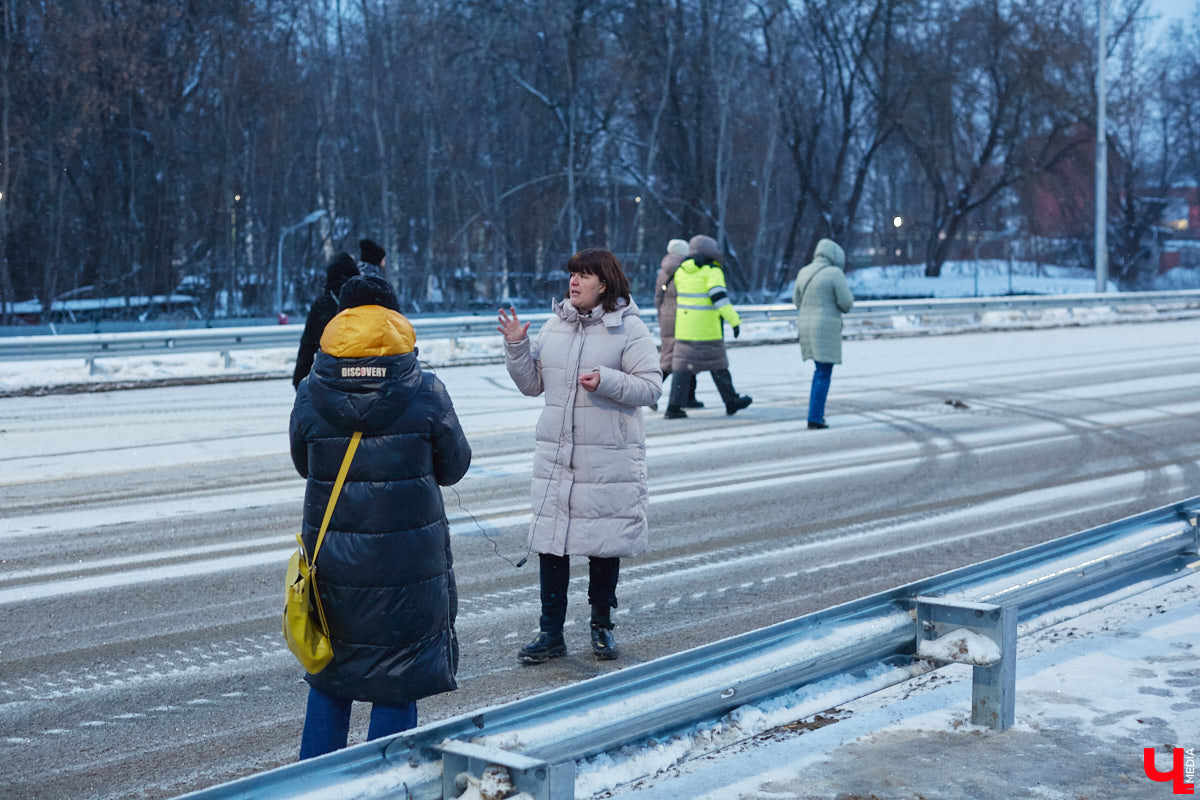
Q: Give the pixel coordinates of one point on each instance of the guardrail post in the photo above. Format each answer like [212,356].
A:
[1193,522]
[536,778]
[950,631]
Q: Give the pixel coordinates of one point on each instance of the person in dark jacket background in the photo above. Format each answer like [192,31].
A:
[341,269]
[386,576]
[373,259]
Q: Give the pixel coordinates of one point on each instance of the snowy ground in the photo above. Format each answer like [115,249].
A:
[959,279]
[40,376]
[1091,694]
[989,278]
[984,278]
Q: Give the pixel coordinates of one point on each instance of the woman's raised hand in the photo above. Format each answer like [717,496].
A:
[511,327]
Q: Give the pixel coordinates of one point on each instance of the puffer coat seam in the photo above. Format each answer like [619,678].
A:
[414,582]
[407,642]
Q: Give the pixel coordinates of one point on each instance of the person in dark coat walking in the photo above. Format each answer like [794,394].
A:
[386,577]
[341,269]
[373,258]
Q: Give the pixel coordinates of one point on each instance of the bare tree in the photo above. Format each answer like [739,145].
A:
[8,30]
[484,140]
[1179,81]
[1141,195]
[831,70]
[992,78]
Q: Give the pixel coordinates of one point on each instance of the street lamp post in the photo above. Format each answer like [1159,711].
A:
[1101,233]
[311,218]
[640,227]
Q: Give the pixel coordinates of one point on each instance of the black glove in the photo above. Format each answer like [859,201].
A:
[737,329]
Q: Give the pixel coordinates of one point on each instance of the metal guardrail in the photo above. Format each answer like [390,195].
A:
[224,340]
[552,731]
[958,305]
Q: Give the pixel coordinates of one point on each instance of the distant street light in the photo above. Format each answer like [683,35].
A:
[310,219]
[1101,207]
[897,222]
[640,230]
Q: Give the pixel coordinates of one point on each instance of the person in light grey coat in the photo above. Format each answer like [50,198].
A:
[821,296]
[665,302]
[596,363]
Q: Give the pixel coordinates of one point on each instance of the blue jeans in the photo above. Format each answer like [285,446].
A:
[822,372]
[327,722]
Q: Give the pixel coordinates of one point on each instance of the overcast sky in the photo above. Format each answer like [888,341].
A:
[1172,9]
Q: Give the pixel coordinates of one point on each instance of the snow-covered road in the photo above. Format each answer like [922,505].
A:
[943,451]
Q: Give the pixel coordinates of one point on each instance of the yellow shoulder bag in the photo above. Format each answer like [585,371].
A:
[308,638]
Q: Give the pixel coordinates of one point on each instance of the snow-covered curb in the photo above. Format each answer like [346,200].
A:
[1076,685]
[122,372]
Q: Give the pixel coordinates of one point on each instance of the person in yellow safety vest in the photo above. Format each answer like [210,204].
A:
[701,307]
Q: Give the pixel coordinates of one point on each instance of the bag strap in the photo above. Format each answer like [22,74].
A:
[337,490]
[804,288]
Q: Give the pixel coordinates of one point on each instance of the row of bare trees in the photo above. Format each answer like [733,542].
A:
[483,141]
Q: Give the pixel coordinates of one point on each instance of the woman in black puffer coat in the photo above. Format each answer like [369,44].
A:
[385,576]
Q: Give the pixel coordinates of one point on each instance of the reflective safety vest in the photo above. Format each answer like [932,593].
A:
[701,302]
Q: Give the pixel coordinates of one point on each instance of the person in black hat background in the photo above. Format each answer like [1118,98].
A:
[341,269]
[373,257]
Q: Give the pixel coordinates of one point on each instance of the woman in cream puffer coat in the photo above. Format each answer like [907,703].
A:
[596,363]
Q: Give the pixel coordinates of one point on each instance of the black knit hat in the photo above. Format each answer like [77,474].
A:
[341,269]
[367,290]
[371,252]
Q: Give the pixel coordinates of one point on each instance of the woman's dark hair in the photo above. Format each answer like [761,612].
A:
[605,266]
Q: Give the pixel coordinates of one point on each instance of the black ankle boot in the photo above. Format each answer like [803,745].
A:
[543,648]
[604,644]
[738,404]
[675,412]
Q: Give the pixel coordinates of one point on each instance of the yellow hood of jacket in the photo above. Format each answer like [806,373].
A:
[365,331]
